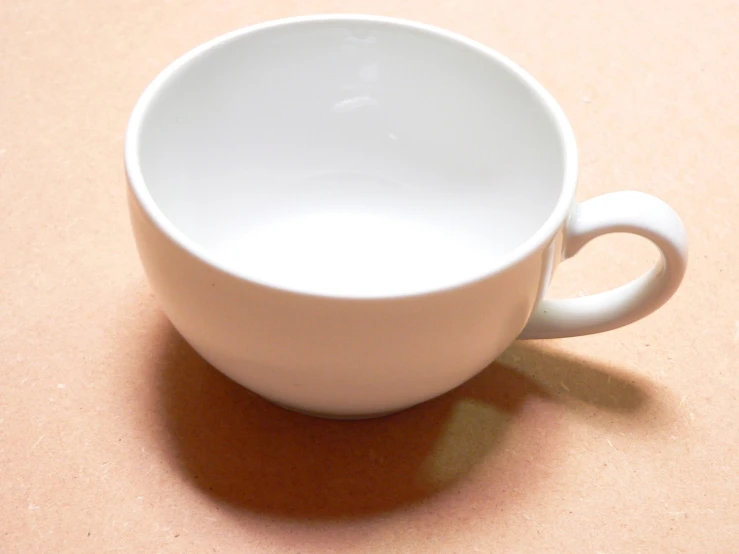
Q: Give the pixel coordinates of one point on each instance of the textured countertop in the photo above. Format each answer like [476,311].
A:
[116,437]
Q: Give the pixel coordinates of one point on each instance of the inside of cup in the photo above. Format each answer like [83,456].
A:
[353,158]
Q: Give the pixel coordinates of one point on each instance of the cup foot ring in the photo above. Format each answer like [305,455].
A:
[334,416]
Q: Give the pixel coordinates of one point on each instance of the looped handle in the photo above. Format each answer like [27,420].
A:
[619,212]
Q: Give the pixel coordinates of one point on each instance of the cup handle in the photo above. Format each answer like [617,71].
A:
[619,212]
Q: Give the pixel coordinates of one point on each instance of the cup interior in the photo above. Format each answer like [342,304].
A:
[350,157]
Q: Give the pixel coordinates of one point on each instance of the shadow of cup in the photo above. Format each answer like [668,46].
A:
[243,451]
[607,395]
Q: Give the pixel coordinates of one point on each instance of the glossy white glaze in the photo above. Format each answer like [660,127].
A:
[618,212]
[350,215]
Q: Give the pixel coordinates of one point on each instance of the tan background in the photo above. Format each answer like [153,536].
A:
[115,437]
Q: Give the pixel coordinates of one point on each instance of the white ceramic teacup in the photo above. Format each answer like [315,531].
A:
[350,215]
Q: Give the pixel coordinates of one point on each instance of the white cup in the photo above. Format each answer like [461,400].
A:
[350,215]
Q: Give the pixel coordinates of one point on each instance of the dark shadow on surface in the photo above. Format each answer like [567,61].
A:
[251,455]
[618,397]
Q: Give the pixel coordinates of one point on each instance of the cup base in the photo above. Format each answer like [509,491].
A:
[334,416]
[226,368]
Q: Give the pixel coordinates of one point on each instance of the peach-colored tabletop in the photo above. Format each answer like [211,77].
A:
[116,437]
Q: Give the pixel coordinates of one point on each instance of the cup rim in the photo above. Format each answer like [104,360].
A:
[137,183]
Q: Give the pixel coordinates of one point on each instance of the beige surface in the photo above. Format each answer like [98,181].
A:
[115,437]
